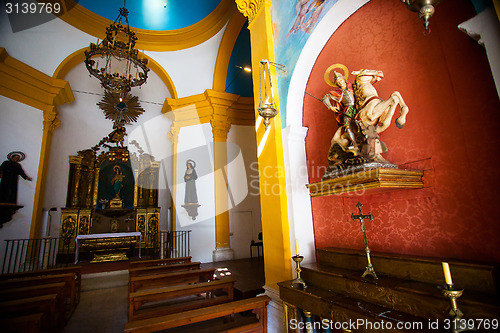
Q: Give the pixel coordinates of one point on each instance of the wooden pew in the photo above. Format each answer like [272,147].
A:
[162,280]
[23,324]
[172,299]
[207,318]
[141,271]
[159,262]
[67,278]
[77,270]
[12,294]
[46,304]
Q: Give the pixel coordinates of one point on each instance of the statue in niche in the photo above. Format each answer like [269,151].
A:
[10,171]
[190,197]
[117,181]
[361,116]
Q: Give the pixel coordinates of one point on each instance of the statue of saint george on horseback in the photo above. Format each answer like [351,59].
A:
[361,116]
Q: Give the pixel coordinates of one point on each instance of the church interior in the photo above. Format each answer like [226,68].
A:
[249,165]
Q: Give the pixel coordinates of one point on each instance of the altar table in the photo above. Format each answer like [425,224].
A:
[107,235]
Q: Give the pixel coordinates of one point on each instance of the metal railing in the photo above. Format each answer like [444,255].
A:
[174,244]
[24,255]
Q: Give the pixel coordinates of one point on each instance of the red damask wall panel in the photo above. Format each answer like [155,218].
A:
[451,132]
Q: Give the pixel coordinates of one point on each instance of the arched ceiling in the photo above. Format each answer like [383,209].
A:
[160,15]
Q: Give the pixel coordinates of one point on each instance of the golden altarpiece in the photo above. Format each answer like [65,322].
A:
[111,192]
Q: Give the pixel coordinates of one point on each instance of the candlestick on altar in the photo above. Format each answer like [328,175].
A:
[298,282]
[447,273]
[369,268]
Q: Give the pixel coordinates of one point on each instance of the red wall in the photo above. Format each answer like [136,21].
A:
[451,133]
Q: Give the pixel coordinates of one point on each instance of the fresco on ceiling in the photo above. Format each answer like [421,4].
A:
[296,21]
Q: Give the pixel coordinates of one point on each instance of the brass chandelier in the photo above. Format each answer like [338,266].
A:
[114,60]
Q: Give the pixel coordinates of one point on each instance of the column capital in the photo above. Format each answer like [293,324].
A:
[173,134]
[220,127]
[249,8]
[50,120]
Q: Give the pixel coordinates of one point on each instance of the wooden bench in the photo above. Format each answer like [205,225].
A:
[207,319]
[23,324]
[141,271]
[67,278]
[39,290]
[77,270]
[158,262]
[46,304]
[162,301]
[162,280]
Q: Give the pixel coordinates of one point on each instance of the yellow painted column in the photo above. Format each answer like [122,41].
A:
[50,123]
[221,102]
[173,136]
[273,198]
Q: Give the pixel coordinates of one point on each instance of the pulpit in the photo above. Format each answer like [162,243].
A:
[112,192]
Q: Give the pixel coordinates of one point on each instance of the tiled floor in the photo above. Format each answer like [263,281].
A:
[103,304]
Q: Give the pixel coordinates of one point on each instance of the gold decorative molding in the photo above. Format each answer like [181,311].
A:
[249,8]
[152,40]
[29,86]
[368,182]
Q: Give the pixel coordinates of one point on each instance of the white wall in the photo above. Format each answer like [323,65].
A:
[195,143]
[20,130]
[244,199]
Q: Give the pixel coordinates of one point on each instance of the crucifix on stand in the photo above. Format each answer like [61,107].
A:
[369,268]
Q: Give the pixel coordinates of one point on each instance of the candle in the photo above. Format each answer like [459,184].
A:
[447,273]
[297,247]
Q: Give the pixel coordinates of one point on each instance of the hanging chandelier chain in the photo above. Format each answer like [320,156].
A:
[117,51]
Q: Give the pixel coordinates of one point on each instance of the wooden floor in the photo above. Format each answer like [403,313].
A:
[248,273]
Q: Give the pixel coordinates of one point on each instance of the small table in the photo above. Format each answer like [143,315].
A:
[107,235]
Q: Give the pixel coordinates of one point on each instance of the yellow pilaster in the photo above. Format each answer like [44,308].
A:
[50,123]
[173,136]
[221,103]
[274,211]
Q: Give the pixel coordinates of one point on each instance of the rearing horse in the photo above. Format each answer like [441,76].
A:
[372,109]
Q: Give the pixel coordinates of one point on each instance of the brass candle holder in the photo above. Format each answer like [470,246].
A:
[298,282]
[455,313]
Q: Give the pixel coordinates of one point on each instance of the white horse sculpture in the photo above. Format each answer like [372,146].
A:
[372,109]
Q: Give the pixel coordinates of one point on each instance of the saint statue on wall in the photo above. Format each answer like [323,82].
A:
[191,197]
[361,116]
[10,171]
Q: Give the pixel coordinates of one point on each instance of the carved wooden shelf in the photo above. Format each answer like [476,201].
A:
[368,182]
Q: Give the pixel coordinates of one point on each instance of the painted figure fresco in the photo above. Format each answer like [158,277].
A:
[10,171]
